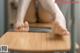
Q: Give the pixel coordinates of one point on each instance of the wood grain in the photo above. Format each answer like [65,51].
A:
[29,41]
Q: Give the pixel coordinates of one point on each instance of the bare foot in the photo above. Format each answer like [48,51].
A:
[60,30]
[22,28]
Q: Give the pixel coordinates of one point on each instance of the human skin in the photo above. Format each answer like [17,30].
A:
[22,9]
[58,24]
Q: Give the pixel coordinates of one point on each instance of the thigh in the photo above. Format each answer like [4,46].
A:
[49,5]
[31,13]
[46,3]
[44,15]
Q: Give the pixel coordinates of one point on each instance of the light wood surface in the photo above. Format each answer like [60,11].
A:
[28,41]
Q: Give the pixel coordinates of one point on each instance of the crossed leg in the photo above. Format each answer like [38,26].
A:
[59,24]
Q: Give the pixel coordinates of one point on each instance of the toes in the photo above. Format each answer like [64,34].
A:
[61,30]
[26,26]
[22,28]
[17,29]
[66,33]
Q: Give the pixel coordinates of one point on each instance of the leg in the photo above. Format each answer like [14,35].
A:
[21,14]
[44,15]
[59,25]
[31,13]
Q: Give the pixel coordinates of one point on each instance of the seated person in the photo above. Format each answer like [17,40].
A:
[48,12]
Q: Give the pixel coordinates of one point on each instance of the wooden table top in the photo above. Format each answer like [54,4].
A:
[29,41]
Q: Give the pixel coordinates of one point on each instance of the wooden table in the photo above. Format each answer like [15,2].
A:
[29,41]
